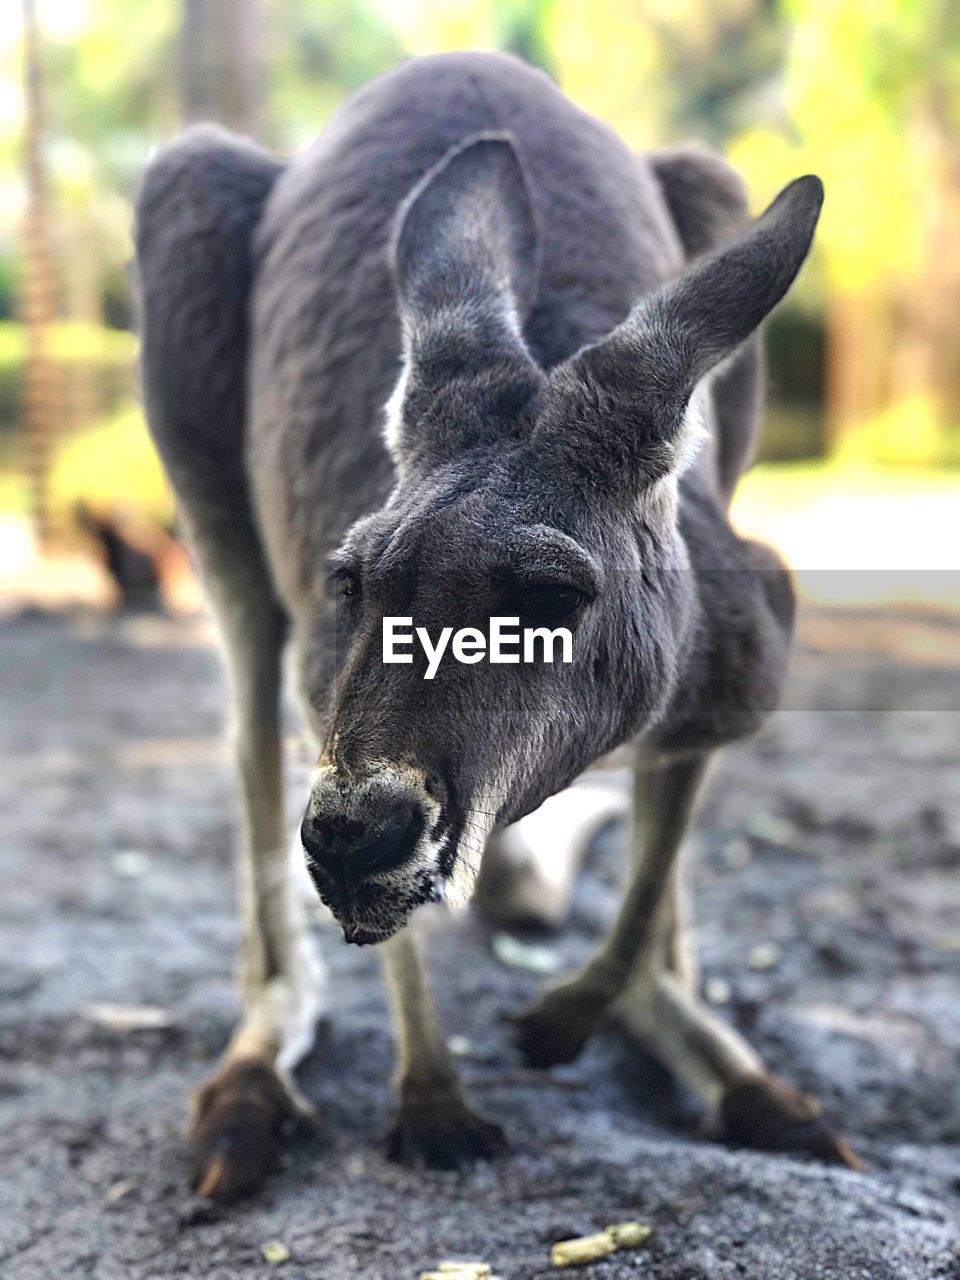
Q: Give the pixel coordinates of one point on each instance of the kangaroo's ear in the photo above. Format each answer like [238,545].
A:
[629,394]
[465,262]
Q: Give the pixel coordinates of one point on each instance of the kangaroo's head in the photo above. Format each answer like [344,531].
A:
[547,497]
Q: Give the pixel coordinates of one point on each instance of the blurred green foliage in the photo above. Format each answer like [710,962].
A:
[864,358]
[107,355]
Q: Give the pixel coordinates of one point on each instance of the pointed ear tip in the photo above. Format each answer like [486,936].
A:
[810,189]
[798,204]
[813,184]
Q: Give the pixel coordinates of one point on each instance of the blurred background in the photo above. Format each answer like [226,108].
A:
[860,468]
[826,864]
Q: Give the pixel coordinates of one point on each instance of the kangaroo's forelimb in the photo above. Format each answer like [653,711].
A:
[435,1123]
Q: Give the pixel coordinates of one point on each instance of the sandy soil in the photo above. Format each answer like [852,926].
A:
[835,837]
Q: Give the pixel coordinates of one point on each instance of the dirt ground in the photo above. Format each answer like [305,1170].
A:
[828,894]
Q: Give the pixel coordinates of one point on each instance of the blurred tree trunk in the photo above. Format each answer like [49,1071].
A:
[851,366]
[926,358]
[83,302]
[893,353]
[245,67]
[222,64]
[42,398]
[202,66]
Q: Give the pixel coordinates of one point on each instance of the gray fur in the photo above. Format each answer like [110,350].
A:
[707,199]
[550,371]
[548,314]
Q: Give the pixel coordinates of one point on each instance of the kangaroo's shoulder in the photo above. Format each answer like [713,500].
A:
[706,196]
[736,660]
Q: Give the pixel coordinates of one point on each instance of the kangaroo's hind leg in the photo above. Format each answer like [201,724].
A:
[200,203]
[645,974]
[662,1010]
[559,1025]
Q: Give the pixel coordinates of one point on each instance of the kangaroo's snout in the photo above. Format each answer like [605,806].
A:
[363,840]
[380,836]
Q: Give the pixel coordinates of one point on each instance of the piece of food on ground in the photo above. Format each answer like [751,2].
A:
[275,1252]
[571,1253]
[459,1271]
[623,1235]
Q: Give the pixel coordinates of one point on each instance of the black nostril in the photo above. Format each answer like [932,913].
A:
[349,849]
[312,837]
[389,841]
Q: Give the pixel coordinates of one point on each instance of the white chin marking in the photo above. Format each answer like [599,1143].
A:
[466,867]
[459,888]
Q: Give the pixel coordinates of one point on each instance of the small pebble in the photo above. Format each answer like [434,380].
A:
[737,853]
[130,864]
[120,1189]
[766,955]
[123,1018]
[718,990]
[524,955]
[770,827]
[459,1271]
[275,1252]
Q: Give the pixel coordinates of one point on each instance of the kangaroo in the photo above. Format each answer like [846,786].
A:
[468,356]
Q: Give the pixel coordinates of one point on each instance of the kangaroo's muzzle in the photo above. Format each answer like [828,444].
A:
[364,845]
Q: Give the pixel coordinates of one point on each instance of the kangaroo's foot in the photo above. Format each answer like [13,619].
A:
[235,1134]
[442,1131]
[747,1106]
[768,1115]
[556,1028]
[240,1114]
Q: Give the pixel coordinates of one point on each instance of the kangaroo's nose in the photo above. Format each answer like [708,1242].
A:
[375,835]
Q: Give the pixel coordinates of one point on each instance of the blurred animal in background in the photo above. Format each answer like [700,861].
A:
[136,553]
[564,335]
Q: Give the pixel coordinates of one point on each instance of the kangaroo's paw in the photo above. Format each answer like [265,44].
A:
[443,1132]
[556,1028]
[768,1115]
[235,1133]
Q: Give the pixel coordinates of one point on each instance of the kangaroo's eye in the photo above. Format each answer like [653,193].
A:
[346,582]
[549,601]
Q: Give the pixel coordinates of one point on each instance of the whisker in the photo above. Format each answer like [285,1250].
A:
[483,813]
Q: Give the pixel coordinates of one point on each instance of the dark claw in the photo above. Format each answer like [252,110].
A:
[767,1115]
[445,1134]
[236,1131]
